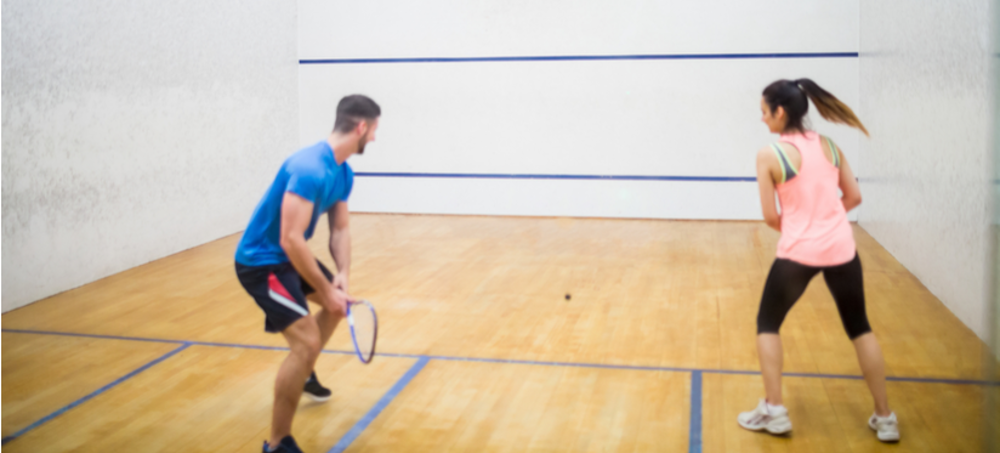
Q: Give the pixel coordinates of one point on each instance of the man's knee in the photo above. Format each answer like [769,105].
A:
[312,342]
[304,338]
[309,348]
[329,315]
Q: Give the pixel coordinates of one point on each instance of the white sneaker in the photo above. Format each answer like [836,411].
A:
[773,421]
[886,427]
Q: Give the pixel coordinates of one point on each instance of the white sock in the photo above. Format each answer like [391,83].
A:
[772,408]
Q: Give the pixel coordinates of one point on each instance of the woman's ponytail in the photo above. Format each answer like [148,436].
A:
[791,96]
[829,106]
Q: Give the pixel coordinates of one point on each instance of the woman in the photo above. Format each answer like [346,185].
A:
[806,169]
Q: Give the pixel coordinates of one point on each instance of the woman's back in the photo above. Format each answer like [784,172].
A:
[814,226]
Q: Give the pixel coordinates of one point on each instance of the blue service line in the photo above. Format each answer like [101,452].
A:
[99,391]
[377,409]
[549,58]
[557,176]
[694,422]
[526,362]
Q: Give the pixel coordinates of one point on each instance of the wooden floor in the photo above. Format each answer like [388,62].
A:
[481,351]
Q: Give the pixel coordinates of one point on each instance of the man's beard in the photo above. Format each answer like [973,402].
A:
[361,147]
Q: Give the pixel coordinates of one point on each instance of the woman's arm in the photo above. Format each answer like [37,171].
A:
[848,185]
[767,164]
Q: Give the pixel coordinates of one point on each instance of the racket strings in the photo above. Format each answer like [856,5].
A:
[364,326]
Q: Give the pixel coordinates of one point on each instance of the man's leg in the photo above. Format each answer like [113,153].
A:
[326,320]
[303,338]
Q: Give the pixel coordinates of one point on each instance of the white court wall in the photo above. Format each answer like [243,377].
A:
[926,91]
[691,122]
[136,129]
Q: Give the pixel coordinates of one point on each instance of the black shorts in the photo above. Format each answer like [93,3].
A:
[788,280]
[279,290]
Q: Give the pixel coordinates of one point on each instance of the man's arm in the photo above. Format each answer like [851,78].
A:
[340,243]
[296,213]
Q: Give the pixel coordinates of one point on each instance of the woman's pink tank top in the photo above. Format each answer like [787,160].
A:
[814,226]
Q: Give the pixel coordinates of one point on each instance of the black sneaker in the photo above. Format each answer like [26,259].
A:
[314,390]
[287,445]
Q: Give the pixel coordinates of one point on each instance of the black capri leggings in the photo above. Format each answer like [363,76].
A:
[788,280]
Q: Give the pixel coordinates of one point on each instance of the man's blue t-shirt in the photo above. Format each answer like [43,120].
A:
[311,173]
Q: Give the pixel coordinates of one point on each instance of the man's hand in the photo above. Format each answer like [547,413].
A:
[340,282]
[336,300]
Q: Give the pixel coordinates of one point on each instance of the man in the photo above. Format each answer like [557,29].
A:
[274,263]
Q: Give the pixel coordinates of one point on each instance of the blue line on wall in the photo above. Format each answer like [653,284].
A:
[709,56]
[360,426]
[572,177]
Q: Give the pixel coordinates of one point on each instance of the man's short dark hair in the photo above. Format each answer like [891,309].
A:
[353,109]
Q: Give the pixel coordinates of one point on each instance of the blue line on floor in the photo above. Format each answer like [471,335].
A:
[91,335]
[935,380]
[694,430]
[158,340]
[99,391]
[360,426]
[687,370]
[527,362]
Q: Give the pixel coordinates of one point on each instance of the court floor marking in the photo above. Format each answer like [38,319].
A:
[695,418]
[360,426]
[47,418]
[950,381]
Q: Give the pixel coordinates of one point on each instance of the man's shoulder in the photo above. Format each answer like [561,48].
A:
[307,161]
[309,153]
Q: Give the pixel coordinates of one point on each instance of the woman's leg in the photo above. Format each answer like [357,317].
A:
[785,284]
[847,287]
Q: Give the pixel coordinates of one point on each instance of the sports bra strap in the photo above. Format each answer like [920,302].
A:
[787,170]
[834,152]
